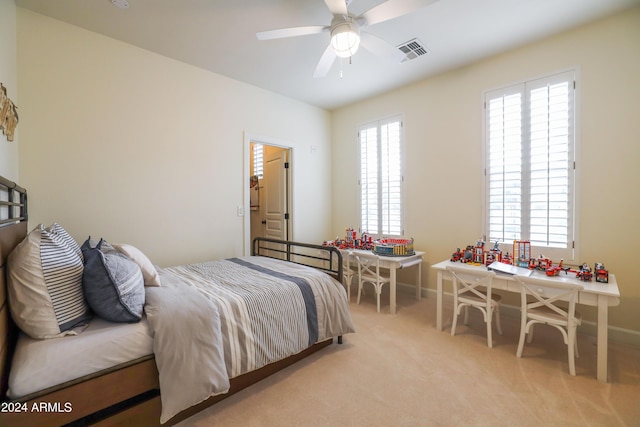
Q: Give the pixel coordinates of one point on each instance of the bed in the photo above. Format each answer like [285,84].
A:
[126,388]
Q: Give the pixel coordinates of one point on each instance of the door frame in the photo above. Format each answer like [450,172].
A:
[246,175]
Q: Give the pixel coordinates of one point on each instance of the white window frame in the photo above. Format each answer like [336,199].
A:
[388,224]
[553,251]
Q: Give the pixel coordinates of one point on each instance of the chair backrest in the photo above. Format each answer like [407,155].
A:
[544,293]
[369,268]
[467,281]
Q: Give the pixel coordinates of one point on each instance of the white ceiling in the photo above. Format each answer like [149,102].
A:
[221,36]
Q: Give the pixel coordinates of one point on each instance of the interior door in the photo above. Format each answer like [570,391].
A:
[276,167]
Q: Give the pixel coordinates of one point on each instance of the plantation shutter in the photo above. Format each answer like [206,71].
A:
[551,161]
[529,170]
[381,177]
[369,186]
[504,172]
[258,160]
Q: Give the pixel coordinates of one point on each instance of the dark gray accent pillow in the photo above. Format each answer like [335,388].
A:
[113,284]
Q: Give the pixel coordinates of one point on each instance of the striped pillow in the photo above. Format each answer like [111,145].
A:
[45,283]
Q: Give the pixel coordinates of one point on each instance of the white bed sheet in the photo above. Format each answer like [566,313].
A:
[40,364]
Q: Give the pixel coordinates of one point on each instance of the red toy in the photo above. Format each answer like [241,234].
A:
[602,274]
[554,271]
[468,254]
[507,258]
[521,253]
[351,241]
[478,252]
[492,255]
[541,263]
[585,273]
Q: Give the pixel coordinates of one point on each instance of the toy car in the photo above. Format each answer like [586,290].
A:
[602,274]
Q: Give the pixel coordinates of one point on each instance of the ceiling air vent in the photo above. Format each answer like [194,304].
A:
[413,49]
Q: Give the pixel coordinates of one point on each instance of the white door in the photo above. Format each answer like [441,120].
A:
[276,169]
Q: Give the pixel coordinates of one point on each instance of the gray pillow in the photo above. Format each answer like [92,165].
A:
[113,284]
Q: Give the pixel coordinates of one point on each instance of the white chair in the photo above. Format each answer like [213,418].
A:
[472,288]
[539,304]
[369,272]
[348,273]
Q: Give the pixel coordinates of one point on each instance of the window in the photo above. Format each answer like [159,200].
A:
[530,164]
[381,177]
[258,160]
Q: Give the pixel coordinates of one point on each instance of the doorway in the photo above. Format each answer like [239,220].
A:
[269,201]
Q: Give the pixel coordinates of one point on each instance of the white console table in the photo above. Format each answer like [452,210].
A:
[601,295]
[394,263]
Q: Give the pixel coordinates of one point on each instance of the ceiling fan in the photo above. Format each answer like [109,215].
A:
[345,33]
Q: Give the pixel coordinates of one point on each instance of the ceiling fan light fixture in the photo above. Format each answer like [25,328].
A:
[345,38]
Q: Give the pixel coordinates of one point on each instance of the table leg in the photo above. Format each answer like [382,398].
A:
[603,321]
[419,282]
[349,278]
[439,302]
[392,290]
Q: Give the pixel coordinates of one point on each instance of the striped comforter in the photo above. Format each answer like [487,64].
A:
[255,311]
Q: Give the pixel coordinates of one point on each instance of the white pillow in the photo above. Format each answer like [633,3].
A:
[149,272]
[45,284]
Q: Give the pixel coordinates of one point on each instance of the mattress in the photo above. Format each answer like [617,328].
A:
[40,364]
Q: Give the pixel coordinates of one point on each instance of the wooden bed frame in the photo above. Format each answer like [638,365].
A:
[126,394]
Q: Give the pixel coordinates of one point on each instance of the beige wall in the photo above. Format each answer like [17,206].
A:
[443,134]
[121,143]
[151,150]
[8,77]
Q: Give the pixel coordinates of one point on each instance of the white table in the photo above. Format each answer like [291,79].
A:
[601,295]
[394,263]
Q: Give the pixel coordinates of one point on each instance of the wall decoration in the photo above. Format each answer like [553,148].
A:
[8,114]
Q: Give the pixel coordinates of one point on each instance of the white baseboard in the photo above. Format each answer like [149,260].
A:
[589,328]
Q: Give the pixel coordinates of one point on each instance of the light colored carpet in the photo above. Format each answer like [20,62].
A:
[397,370]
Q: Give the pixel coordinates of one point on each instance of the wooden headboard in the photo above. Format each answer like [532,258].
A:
[13,229]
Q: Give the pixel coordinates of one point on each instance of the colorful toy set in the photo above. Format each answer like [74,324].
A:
[351,241]
[387,247]
[477,255]
[395,247]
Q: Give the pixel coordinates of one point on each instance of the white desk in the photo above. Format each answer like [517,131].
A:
[601,295]
[394,263]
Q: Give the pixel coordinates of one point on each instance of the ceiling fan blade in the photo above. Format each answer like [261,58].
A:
[325,63]
[391,9]
[381,48]
[337,7]
[290,32]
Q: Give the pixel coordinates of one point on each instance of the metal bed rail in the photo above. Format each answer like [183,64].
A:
[325,258]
